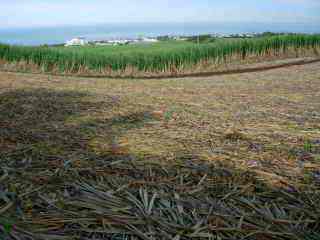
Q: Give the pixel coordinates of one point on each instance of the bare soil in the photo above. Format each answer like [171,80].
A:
[219,157]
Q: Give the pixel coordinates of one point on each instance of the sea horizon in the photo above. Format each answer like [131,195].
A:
[60,34]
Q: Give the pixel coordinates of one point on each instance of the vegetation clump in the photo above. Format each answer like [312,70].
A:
[167,59]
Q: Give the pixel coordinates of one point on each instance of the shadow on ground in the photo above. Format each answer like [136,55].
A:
[53,127]
[59,185]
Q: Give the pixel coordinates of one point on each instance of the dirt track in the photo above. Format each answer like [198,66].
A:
[254,68]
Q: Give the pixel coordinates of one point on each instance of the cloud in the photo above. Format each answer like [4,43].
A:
[299,2]
[16,13]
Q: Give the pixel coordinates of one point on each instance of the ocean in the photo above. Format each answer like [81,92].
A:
[58,35]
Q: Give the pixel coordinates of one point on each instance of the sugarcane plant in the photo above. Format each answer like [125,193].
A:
[65,61]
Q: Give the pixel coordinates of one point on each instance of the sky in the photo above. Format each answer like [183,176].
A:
[39,13]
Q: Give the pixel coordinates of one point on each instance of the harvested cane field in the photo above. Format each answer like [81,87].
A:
[223,157]
[160,59]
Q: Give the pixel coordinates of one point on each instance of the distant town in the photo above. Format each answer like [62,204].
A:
[81,41]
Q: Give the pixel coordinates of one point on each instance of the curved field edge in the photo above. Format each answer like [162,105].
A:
[167,62]
[226,70]
[229,157]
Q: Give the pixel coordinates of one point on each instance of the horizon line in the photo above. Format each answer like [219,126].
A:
[155,22]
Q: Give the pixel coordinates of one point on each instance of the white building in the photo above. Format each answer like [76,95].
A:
[76,42]
[178,38]
[119,42]
[149,40]
[144,40]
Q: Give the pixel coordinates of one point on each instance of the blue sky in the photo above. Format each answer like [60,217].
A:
[35,13]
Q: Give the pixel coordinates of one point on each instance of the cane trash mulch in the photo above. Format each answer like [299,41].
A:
[233,157]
